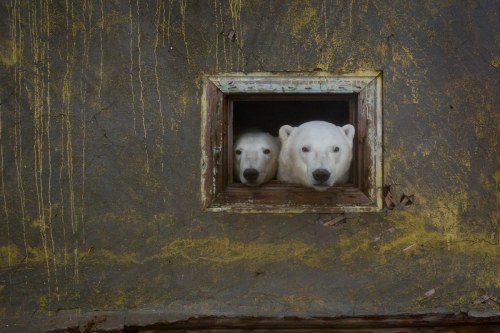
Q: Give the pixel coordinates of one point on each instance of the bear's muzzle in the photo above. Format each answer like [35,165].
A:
[321,175]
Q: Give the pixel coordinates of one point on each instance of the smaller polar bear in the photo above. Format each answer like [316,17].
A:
[315,154]
[255,157]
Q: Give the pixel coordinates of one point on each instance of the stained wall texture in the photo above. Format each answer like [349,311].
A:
[100,206]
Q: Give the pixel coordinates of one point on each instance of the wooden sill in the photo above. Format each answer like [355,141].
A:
[277,197]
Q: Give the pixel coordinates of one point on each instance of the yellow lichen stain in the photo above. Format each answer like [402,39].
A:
[483,119]
[39,224]
[301,302]
[497,188]
[302,16]
[122,258]
[120,298]
[350,247]
[435,222]
[9,55]
[42,303]
[497,177]
[403,56]
[446,212]
[411,229]
[9,255]
[489,182]
[382,50]
[422,150]
[114,19]
[294,299]
[36,254]
[392,159]
[179,109]
[414,92]
[224,251]
[184,99]
[485,277]
[495,62]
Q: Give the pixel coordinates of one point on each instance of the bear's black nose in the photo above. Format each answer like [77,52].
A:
[321,175]
[251,174]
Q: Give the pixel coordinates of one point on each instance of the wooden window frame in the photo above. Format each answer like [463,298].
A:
[219,193]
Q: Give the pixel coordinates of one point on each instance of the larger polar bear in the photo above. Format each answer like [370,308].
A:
[315,154]
[255,157]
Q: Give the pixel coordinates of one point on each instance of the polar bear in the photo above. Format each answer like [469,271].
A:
[255,157]
[315,154]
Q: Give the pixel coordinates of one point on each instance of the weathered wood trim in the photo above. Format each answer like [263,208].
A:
[141,321]
[310,82]
[211,142]
[218,192]
[410,323]
[276,197]
[370,144]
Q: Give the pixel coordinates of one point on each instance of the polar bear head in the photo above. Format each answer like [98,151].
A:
[255,157]
[316,154]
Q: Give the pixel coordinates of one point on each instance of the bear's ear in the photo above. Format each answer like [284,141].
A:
[285,132]
[349,131]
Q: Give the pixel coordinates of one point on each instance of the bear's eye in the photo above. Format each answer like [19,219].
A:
[305,149]
[238,151]
[267,151]
[336,149]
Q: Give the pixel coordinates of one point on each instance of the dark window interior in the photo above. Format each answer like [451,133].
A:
[270,115]
[270,112]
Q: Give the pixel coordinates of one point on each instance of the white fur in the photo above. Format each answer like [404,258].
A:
[320,139]
[253,147]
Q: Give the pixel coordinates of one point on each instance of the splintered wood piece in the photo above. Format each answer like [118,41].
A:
[409,247]
[406,200]
[334,220]
[390,203]
[482,299]
[430,292]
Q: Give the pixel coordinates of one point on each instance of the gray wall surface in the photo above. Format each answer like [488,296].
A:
[100,204]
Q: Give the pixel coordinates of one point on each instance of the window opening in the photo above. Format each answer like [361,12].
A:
[268,101]
[269,112]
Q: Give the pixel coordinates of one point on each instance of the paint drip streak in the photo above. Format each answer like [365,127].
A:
[143,108]
[83,95]
[183,5]
[216,38]
[17,40]
[38,107]
[67,140]
[101,50]
[160,111]
[4,197]
[170,6]
[132,64]
[235,10]
[224,48]
[49,157]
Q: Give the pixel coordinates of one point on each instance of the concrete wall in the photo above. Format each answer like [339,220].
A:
[100,160]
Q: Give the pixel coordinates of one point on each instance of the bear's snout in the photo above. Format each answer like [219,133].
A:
[321,175]
[251,175]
